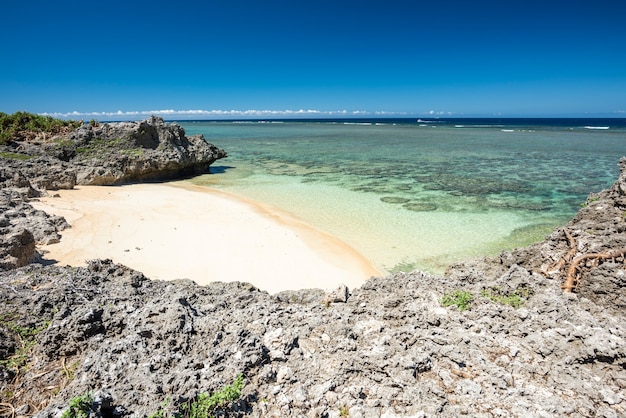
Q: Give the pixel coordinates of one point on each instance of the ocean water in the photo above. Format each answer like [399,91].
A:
[420,194]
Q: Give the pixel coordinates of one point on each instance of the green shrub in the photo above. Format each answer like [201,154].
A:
[14,126]
[516,299]
[204,405]
[79,406]
[462,299]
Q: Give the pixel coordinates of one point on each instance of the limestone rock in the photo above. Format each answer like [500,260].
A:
[17,248]
[126,152]
[388,348]
[112,153]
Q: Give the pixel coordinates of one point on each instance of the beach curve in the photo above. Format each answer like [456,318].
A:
[178,230]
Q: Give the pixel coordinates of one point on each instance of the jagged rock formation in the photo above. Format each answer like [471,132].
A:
[139,151]
[22,227]
[116,153]
[599,227]
[390,348]
[36,175]
[106,154]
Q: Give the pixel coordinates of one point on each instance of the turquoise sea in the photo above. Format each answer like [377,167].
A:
[419,194]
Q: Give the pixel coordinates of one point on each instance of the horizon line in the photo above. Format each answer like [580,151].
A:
[302,113]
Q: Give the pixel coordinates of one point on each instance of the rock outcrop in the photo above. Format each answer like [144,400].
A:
[106,154]
[390,350]
[22,227]
[492,337]
[138,151]
[115,153]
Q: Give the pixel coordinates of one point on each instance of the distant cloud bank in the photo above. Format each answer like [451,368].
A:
[217,114]
[221,114]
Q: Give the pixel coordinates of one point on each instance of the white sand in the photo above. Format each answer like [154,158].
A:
[175,230]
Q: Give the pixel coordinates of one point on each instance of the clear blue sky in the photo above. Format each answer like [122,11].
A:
[454,58]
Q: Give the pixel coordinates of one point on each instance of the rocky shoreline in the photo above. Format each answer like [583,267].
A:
[509,343]
[93,154]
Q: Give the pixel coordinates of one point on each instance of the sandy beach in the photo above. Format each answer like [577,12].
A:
[177,230]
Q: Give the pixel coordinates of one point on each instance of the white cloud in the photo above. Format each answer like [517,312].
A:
[173,114]
[219,113]
[440,113]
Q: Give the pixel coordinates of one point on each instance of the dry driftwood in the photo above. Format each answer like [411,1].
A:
[573,272]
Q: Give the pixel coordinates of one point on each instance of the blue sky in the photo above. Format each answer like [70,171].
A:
[231,59]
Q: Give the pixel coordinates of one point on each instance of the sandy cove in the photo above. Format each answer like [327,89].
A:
[177,230]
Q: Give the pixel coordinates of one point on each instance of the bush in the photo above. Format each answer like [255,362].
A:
[17,125]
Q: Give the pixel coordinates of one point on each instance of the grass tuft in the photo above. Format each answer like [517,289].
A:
[462,299]
[515,299]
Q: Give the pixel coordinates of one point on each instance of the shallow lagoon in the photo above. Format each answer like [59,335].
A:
[411,194]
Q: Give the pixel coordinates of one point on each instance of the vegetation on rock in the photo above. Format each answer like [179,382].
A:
[79,407]
[462,299]
[516,298]
[15,156]
[26,337]
[204,405]
[29,126]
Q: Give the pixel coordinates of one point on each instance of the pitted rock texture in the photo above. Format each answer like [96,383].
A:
[391,349]
[522,348]
[113,153]
[22,227]
[139,151]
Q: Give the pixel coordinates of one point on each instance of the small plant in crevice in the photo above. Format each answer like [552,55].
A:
[588,201]
[515,299]
[204,405]
[79,406]
[26,336]
[462,299]
[344,411]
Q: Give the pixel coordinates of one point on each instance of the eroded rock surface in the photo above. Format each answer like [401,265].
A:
[517,347]
[139,151]
[114,153]
[390,349]
[105,154]
[22,227]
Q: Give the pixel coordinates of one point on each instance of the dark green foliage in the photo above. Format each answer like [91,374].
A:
[20,124]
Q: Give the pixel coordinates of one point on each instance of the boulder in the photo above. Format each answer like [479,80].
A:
[17,248]
[111,154]
[149,150]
